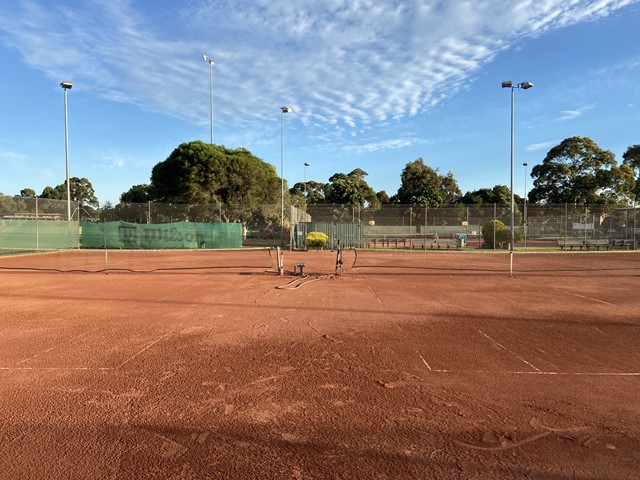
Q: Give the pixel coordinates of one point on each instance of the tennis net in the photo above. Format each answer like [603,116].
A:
[246,260]
[468,263]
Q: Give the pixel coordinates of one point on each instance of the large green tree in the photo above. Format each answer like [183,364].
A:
[351,189]
[424,185]
[579,171]
[194,173]
[499,194]
[142,193]
[202,173]
[631,158]
[80,189]
[313,192]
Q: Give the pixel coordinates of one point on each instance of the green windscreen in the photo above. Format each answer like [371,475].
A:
[22,235]
[161,236]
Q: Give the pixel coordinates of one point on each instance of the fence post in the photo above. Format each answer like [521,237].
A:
[635,216]
[495,214]
[566,221]
[37,228]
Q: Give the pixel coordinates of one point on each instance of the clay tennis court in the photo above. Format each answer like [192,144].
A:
[426,365]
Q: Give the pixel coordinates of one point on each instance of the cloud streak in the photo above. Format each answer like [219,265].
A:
[341,69]
[11,155]
[535,147]
[573,114]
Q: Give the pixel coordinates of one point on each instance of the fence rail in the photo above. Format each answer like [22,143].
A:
[261,223]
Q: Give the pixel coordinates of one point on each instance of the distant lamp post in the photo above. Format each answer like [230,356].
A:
[305,180]
[524,222]
[284,110]
[523,86]
[211,63]
[67,86]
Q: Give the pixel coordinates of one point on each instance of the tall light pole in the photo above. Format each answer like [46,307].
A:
[284,110]
[305,180]
[211,63]
[67,86]
[523,86]
[524,223]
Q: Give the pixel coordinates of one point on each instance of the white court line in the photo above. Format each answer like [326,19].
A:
[583,296]
[162,337]
[425,362]
[58,368]
[58,345]
[376,295]
[506,349]
[527,372]
[149,346]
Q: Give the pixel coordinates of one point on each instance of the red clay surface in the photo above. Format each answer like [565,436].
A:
[425,365]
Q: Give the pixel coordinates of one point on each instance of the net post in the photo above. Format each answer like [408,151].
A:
[511,263]
[280,259]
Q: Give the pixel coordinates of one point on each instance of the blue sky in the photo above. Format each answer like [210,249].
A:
[373,84]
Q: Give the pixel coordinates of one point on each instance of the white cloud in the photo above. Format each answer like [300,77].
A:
[391,144]
[113,161]
[534,147]
[342,64]
[572,114]
[10,155]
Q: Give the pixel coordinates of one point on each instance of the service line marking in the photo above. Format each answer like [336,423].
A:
[506,349]
[425,362]
[583,296]
[528,372]
[376,295]
[57,368]
[58,345]
[162,337]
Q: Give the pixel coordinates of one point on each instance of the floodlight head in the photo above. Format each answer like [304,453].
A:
[66,85]
[525,85]
[507,84]
[306,164]
[525,164]
[208,59]
[286,109]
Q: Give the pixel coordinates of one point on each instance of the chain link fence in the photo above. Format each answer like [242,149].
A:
[535,225]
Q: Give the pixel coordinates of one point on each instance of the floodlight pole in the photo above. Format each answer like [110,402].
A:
[211,63]
[67,86]
[512,238]
[524,222]
[284,110]
[523,86]
[305,180]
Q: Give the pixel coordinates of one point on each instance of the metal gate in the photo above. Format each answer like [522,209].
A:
[343,234]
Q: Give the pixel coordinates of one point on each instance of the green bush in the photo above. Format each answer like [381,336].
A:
[316,240]
[502,232]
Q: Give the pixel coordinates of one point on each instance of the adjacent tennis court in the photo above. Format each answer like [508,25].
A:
[415,364]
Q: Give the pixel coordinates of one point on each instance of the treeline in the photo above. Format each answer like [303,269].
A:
[576,171]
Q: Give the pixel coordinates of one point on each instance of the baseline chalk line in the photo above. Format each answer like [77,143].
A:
[506,349]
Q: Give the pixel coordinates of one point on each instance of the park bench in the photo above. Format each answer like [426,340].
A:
[624,244]
[448,244]
[598,244]
[564,244]
[389,242]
